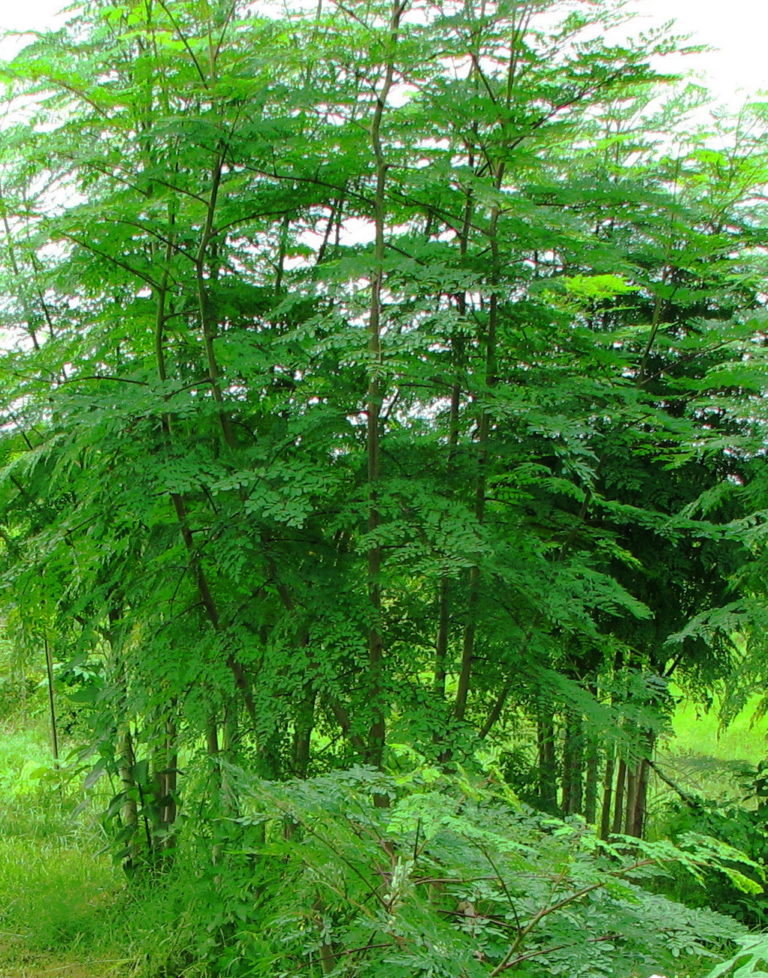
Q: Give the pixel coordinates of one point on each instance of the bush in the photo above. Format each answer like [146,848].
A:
[446,879]
[744,828]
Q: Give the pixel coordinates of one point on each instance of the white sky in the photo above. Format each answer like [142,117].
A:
[738,28]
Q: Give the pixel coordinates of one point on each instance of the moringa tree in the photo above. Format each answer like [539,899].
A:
[331,331]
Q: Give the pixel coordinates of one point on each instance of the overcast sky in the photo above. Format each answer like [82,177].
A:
[738,28]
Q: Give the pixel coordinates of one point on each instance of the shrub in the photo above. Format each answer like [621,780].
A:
[357,874]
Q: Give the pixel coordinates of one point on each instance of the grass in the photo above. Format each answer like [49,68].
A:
[53,897]
[703,758]
[66,911]
[58,891]
[697,732]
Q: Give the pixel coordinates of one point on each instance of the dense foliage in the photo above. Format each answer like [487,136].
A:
[379,378]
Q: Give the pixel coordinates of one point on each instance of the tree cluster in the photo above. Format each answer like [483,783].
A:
[383,374]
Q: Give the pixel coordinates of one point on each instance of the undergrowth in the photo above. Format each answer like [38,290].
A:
[449,880]
[319,878]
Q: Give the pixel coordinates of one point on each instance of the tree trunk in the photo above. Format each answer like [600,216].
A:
[377,726]
[573,765]
[631,796]
[618,809]
[166,766]
[636,818]
[547,766]
[302,732]
[591,749]
[457,356]
[129,811]
[52,703]
[591,782]
[605,815]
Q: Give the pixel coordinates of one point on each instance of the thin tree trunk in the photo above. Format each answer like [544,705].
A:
[377,725]
[302,733]
[457,353]
[547,759]
[179,503]
[441,643]
[484,427]
[573,765]
[206,322]
[212,737]
[51,702]
[607,823]
[638,815]
[591,782]
[167,762]
[592,773]
[126,756]
[618,809]
[129,811]
[631,795]
[605,815]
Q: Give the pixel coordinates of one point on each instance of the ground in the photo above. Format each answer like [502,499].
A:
[13,965]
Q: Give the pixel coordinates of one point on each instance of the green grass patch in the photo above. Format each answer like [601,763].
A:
[699,732]
[52,898]
[58,887]
[709,760]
